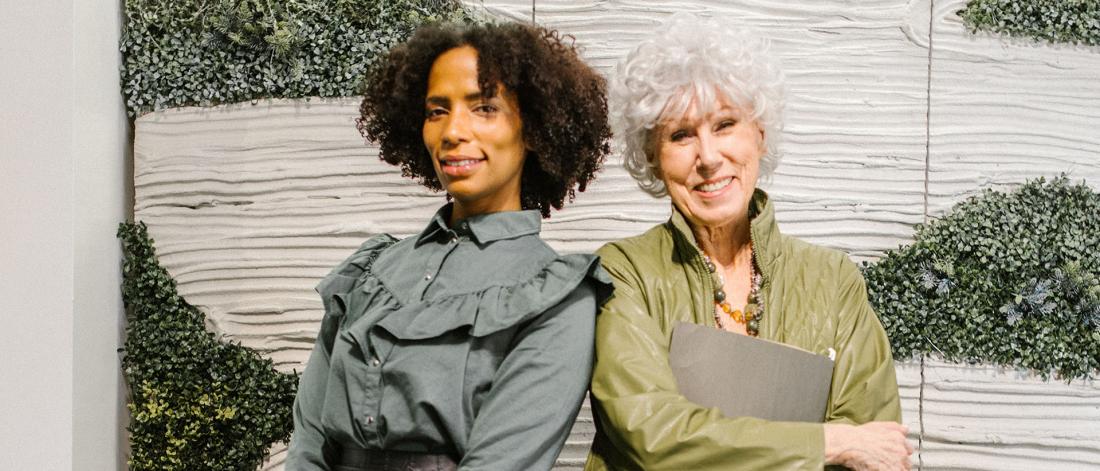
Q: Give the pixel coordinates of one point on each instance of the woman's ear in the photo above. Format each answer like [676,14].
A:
[651,152]
[763,138]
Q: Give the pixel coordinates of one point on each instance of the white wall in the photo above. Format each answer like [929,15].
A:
[102,148]
[62,191]
[36,234]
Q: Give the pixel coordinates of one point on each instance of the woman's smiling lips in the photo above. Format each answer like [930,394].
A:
[712,188]
[460,165]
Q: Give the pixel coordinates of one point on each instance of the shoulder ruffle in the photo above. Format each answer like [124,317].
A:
[342,279]
[496,308]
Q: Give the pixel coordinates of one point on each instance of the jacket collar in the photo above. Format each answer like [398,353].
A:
[483,228]
[762,226]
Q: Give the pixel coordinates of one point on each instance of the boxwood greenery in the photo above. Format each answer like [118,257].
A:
[1005,278]
[209,52]
[196,403]
[1056,21]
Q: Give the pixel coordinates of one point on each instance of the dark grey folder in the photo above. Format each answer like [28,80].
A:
[746,376]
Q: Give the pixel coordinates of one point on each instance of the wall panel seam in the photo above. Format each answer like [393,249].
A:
[927,170]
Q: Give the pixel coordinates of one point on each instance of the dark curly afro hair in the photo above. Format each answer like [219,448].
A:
[562,102]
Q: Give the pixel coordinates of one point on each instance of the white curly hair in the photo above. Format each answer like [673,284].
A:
[692,59]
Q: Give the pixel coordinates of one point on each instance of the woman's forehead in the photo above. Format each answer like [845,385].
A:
[693,105]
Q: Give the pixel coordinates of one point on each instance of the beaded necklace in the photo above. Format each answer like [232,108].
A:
[754,311]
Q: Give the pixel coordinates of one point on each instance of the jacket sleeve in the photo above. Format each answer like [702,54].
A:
[537,389]
[648,425]
[864,388]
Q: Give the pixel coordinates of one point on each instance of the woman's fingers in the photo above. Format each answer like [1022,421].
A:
[872,446]
[886,442]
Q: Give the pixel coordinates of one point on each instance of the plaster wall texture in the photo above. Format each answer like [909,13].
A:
[895,113]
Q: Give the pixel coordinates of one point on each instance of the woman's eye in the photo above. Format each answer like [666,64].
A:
[434,112]
[678,136]
[485,109]
[729,123]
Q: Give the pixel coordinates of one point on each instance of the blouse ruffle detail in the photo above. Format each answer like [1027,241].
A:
[484,312]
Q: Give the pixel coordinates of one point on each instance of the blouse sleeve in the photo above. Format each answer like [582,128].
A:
[649,425]
[541,383]
[537,390]
[307,445]
[309,451]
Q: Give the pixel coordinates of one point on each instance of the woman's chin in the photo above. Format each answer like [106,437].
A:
[713,213]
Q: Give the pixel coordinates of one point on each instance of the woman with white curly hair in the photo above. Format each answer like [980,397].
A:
[698,107]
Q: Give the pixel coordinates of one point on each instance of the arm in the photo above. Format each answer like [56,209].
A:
[306,451]
[864,390]
[537,390]
[309,451]
[649,424]
[867,391]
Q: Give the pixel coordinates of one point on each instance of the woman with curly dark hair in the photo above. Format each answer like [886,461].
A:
[469,345]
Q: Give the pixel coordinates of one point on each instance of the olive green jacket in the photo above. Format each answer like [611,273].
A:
[814,298]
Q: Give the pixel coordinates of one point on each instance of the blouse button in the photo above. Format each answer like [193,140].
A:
[370,420]
[428,276]
[375,362]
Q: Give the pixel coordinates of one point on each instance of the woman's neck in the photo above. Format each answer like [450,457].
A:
[462,210]
[727,245]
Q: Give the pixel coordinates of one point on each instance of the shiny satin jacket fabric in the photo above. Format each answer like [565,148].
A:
[473,341]
[815,299]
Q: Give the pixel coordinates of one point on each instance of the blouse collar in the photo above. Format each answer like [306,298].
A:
[483,228]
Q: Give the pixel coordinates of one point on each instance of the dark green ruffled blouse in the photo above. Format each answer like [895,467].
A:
[474,341]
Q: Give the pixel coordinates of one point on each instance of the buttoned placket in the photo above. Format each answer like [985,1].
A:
[446,243]
[450,241]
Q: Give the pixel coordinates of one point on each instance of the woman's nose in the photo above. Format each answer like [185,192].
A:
[457,128]
[707,152]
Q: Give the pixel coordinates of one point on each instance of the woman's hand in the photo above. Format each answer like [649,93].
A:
[871,446]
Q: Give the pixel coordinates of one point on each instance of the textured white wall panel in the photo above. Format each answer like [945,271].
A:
[909,389]
[1007,110]
[251,205]
[514,10]
[990,418]
[580,439]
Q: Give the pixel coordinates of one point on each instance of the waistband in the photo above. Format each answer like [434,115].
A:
[393,460]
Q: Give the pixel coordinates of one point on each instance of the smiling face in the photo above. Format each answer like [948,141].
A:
[710,163]
[476,143]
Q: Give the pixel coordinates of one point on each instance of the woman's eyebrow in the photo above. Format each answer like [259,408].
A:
[683,123]
[478,96]
[437,101]
[444,101]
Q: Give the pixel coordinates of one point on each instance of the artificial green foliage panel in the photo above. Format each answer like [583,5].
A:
[1003,278]
[1056,21]
[211,52]
[196,403]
